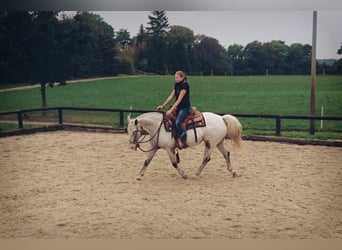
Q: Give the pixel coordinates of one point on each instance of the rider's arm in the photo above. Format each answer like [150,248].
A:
[169,99]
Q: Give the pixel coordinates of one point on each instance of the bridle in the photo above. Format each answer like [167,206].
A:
[137,142]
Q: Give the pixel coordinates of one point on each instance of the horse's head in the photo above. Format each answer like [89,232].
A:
[134,130]
[141,126]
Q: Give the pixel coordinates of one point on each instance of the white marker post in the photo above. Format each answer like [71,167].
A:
[322,114]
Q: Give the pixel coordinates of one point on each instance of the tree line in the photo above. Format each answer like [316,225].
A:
[47,46]
[161,48]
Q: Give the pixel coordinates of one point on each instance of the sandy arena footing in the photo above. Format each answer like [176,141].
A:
[82,185]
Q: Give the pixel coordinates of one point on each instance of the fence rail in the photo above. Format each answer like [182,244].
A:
[277,118]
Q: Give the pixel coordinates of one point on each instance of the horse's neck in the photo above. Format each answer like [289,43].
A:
[152,121]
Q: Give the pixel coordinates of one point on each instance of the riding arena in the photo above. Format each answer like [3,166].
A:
[81,185]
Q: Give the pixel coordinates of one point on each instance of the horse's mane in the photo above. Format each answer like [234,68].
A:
[150,115]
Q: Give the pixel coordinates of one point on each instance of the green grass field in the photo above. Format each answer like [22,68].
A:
[239,94]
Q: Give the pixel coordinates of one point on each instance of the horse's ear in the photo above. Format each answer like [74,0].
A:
[129,115]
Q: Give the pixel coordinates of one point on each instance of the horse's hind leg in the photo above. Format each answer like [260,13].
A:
[206,157]
[226,155]
[174,160]
[146,163]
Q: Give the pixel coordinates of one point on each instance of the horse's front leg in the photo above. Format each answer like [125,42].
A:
[174,160]
[146,163]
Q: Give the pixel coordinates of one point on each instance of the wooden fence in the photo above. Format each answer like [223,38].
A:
[278,118]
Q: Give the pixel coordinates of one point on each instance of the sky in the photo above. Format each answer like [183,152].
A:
[244,26]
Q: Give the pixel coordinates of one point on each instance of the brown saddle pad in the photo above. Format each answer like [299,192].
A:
[193,120]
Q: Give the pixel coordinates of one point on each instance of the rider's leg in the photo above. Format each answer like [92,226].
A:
[182,114]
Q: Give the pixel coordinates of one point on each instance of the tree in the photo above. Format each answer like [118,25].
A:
[210,57]
[15,30]
[337,67]
[42,47]
[125,52]
[299,59]
[339,51]
[156,44]
[123,38]
[44,52]
[159,24]
[276,54]
[140,53]
[92,50]
[180,41]
[235,54]
[255,58]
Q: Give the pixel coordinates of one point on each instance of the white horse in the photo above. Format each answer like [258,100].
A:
[213,134]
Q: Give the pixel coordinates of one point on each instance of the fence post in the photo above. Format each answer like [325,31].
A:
[20,119]
[121,119]
[278,125]
[60,116]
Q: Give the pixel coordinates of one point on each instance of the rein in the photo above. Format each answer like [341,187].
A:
[142,140]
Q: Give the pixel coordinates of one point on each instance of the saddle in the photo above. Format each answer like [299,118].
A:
[194,120]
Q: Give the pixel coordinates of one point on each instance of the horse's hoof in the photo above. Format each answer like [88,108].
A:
[185,177]
[235,175]
[139,178]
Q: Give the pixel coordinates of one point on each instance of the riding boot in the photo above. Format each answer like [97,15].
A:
[183,139]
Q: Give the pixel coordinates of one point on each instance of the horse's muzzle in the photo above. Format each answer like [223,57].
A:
[133,146]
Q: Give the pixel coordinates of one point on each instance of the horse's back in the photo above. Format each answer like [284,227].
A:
[212,119]
[215,126]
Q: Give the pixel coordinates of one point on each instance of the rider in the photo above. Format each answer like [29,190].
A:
[182,106]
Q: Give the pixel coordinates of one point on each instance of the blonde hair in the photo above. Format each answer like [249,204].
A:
[181,74]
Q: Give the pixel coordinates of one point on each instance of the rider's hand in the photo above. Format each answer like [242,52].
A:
[160,108]
[169,112]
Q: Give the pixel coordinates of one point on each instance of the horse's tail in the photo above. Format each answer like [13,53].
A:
[234,129]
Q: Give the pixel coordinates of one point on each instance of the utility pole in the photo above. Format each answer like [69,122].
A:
[313,73]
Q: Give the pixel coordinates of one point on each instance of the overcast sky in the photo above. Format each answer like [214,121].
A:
[243,27]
